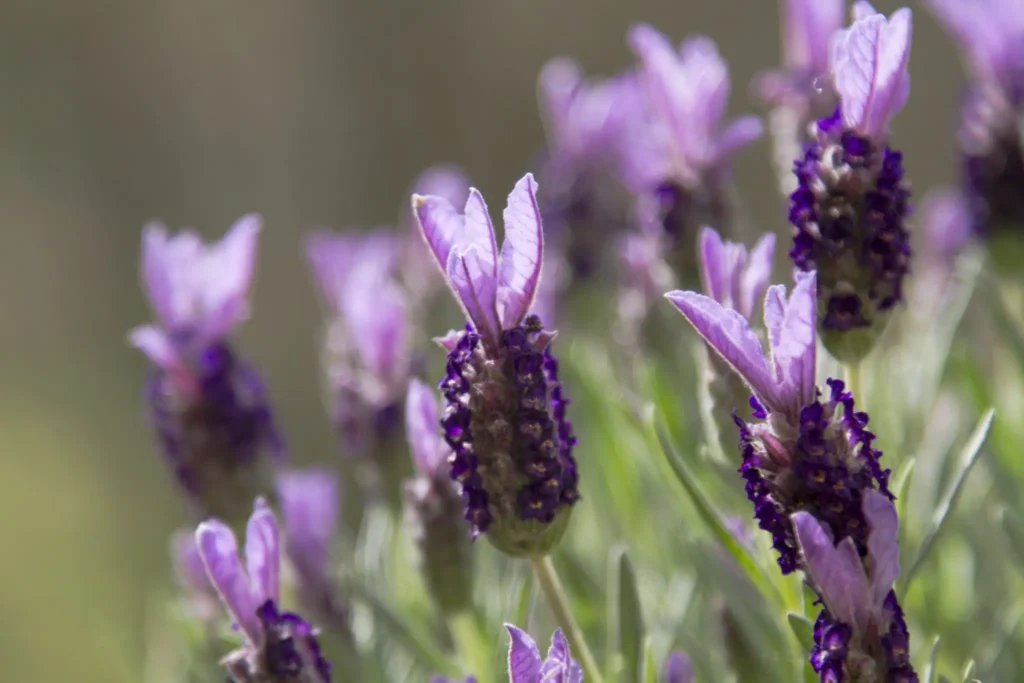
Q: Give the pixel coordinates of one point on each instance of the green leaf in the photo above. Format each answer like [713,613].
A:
[711,516]
[929,667]
[968,671]
[428,655]
[649,672]
[968,456]
[802,628]
[625,617]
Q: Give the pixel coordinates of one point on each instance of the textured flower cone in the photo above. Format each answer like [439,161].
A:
[505,411]
[445,550]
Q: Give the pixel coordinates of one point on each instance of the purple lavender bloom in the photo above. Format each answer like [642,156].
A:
[367,348]
[678,669]
[279,647]
[804,454]
[505,415]
[209,408]
[309,502]
[991,34]
[525,665]
[851,202]
[583,202]
[434,509]
[686,161]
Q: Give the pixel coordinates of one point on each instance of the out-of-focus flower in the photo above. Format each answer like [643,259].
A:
[850,206]
[209,408]
[525,664]
[684,165]
[279,647]
[946,230]
[434,510]
[309,508]
[505,415]
[200,595]
[991,35]
[367,350]
[678,669]
[644,276]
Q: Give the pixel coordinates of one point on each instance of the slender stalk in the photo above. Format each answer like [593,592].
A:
[547,577]
[473,649]
[854,386]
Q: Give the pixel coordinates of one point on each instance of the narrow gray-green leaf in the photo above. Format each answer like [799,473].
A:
[968,456]
[802,628]
[929,667]
[968,674]
[429,656]
[625,618]
[649,672]
[712,517]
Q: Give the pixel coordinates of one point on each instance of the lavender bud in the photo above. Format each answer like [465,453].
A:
[209,408]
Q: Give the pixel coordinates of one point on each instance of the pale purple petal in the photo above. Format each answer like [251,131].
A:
[670,92]
[309,508]
[708,79]
[714,275]
[862,10]
[729,333]
[854,57]
[445,181]
[883,544]
[559,667]
[440,223]
[188,563]
[262,553]
[422,428]
[449,341]
[228,270]
[522,253]
[892,79]
[153,342]
[173,270]
[756,275]
[678,669]
[155,275]
[524,660]
[794,350]
[836,571]
[378,317]
[331,258]
[809,25]
[946,222]
[474,284]
[219,550]
[738,134]
[559,82]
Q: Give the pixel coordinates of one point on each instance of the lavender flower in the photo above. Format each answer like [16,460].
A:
[678,669]
[991,34]
[434,508]
[582,202]
[209,408]
[686,161]
[512,447]
[525,665]
[309,507]
[736,280]
[367,347]
[813,457]
[280,647]
[851,201]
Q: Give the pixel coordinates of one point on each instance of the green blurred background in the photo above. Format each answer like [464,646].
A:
[115,112]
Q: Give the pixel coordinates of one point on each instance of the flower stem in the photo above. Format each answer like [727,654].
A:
[854,386]
[474,651]
[559,604]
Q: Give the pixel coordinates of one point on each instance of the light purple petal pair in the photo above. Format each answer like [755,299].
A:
[243,589]
[309,507]
[731,276]
[989,31]
[869,69]
[688,91]
[496,294]
[195,287]
[809,24]
[788,383]
[429,452]
[333,257]
[678,669]
[837,570]
[526,666]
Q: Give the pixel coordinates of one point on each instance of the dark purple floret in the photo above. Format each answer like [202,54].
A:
[993,182]
[288,638]
[831,645]
[682,212]
[214,432]
[849,211]
[541,476]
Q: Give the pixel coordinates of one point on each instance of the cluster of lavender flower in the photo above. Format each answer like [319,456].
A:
[642,157]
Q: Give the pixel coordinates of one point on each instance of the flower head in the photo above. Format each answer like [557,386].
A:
[309,508]
[525,665]
[368,339]
[809,464]
[686,157]
[209,408]
[505,408]
[280,647]
[851,202]
[677,669]
[434,510]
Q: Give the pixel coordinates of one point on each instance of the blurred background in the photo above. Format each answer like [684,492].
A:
[312,113]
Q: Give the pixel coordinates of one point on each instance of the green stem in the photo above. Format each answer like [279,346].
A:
[854,386]
[473,649]
[559,604]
